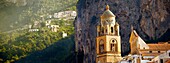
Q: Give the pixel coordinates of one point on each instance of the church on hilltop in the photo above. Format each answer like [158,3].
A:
[108,45]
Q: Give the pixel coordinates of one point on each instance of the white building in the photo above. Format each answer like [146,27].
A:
[66,15]
[64,34]
[162,58]
[54,28]
[29,26]
[34,27]
[48,22]
[33,30]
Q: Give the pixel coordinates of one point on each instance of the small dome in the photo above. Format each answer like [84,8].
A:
[107,13]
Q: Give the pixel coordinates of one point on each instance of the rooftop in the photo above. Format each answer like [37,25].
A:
[107,13]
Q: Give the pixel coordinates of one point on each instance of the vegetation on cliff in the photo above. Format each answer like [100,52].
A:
[16,14]
[21,46]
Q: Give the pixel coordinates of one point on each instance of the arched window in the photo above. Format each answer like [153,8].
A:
[106,31]
[111,29]
[113,45]
[101,46]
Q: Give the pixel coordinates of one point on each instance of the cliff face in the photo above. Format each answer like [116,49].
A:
[150,18]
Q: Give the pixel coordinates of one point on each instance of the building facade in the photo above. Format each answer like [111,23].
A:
[108,41]
[162,58]
[66,15]
[141,52]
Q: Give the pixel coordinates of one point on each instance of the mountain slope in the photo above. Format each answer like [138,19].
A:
[15,14]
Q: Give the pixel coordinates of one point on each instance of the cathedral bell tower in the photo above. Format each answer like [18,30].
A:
[108,41]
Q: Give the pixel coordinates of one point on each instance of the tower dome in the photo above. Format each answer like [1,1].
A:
[108,18]
[107,13]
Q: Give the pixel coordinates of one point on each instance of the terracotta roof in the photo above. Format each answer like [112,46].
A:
[154,49]
[150,54]
[159,46]
[168,61]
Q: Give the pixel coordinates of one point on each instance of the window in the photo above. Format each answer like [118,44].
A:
[101,46]
[161,60]
[158,51]
[150,51]
[111,29]
[142,58]
[102,30]
[113,45]
[106,30]
[130,61]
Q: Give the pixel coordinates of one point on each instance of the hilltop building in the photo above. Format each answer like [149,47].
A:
[66,15]
[35,27]
[53,28]
[108,41]
[36,24]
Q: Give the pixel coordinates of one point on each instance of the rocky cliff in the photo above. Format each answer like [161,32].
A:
[150,18]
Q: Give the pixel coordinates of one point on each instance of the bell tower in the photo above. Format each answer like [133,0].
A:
[108,41]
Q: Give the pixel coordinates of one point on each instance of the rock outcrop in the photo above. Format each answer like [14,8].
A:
[150,18]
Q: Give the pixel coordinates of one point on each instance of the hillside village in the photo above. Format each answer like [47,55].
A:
[30,27]
[41,34]
[38,25]
[65,15]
